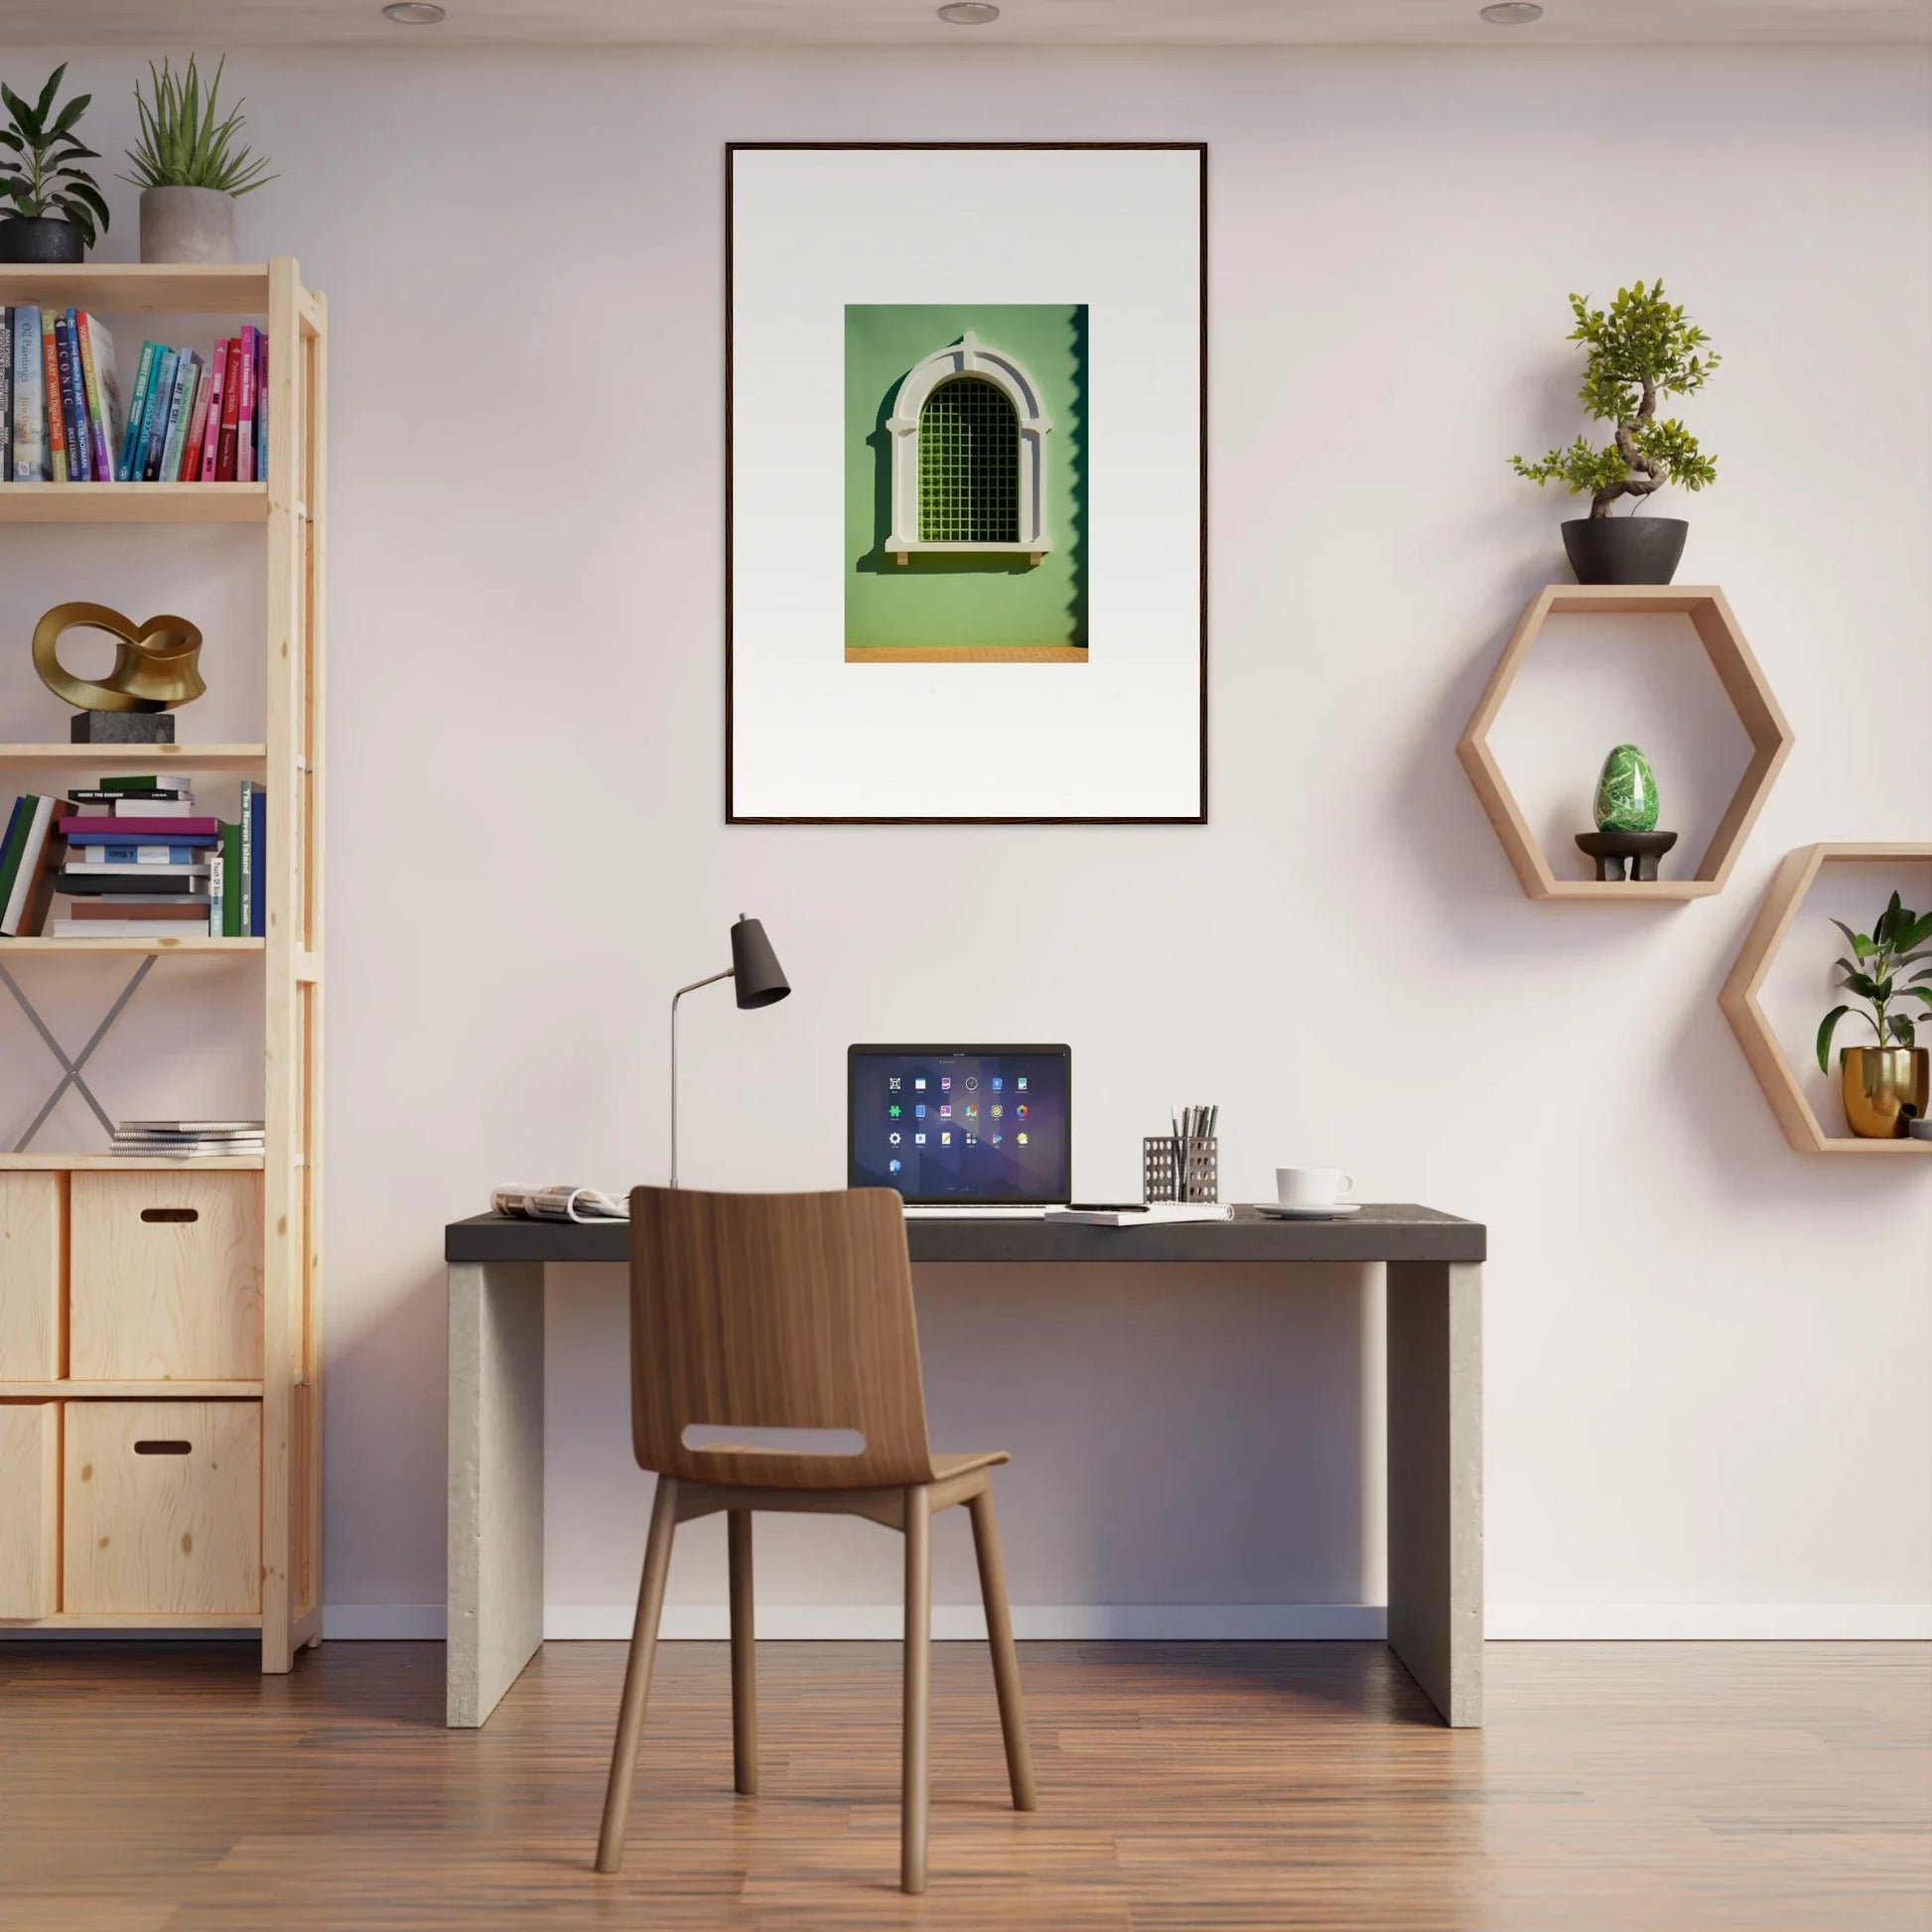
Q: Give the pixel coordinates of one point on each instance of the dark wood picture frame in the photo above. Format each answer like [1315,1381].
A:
[732,150]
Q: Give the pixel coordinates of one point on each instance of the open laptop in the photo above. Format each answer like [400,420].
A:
[962,1130]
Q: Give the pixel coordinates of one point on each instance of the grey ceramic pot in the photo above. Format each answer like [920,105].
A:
[187,224]
[39,238]
[1624,549]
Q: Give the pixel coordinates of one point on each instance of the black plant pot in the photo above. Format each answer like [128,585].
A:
[39,238]
[1624,549]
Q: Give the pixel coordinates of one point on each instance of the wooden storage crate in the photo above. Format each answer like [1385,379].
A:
[166,1276]
[30,1508]
[162,1507]
[33,1261]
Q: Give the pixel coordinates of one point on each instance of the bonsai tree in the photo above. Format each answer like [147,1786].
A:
[1639,350]
[182,145]
[36,172]
[1896,941]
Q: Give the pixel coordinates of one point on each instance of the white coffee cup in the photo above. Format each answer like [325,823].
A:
[1312,1186]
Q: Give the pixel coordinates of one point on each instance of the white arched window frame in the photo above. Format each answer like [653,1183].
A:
[968,357]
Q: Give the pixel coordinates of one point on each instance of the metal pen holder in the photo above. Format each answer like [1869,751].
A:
[1178,1169]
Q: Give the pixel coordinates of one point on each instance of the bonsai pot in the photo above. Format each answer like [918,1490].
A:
[187,224]
[39,238]
[1886,1089]
[1624,549]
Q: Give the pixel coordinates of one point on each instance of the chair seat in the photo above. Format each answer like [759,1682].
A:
[947,1467]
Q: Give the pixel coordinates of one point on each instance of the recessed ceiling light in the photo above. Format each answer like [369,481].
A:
[414,13]
[1512,13]
[969,13]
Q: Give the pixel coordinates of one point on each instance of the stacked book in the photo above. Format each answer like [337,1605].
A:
[136,861]
[188,419]
[187,1140]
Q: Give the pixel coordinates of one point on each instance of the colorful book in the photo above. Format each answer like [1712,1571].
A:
[115,929]
[244,453]
[189,467]
[137,404]
[178,412]
[261,405]
[154,427]
[217,369]
[16,822]
[30,408]
[5,394]
[73,407]
[57,420]
[230,897]
[171,908]
[147,855]
[32,881]
[80,881]
[142,782]
[122,809]
[145,795]
[100,831]
[254,859]
[101,380]
[224,453]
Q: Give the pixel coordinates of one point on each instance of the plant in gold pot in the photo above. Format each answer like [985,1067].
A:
[1888,1084]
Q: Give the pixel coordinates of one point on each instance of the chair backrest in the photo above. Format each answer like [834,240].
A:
[774,1311]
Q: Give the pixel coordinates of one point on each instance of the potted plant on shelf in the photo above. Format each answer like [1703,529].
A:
[188,168]
[1639,350]
[1885,1086]
[54,208]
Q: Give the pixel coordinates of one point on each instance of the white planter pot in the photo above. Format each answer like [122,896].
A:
[187,224]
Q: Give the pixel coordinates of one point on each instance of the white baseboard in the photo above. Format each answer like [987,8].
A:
[1195,1622]
[1710,1623]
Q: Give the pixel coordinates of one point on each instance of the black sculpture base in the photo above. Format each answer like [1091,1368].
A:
[122,728]
[1611,850]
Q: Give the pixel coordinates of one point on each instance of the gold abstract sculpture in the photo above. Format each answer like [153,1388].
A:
[154,663]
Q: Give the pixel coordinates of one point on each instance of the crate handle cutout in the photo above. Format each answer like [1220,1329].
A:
[773,1442]
[162,1447]
[171,1214]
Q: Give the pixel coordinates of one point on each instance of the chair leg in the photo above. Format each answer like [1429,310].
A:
[637,1675]
[744,1670]
[918,1687]
[1006,1660]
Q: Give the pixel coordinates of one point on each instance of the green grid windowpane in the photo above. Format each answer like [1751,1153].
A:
[969,465]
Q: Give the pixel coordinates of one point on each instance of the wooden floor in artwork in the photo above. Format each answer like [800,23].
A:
[968,654]
[1184,1788]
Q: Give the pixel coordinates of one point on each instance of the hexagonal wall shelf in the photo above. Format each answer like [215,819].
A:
[1783,904]
[1744,684]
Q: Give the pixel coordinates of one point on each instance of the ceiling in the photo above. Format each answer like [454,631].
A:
[913,23]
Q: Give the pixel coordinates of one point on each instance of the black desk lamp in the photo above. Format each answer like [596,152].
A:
[759,981]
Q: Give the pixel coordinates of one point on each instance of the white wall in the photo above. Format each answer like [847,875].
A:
[1707,1358]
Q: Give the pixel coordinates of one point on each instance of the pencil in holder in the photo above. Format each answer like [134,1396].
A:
[1177,1168]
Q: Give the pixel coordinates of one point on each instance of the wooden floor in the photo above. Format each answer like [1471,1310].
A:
[1641,1787]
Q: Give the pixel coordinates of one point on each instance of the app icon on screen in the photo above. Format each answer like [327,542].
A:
[972,1112]
[996,1139]
[996,1083]
[1021,1110]
[919,1083]
[945,1083]
[891,1083]
[945,1140]
[1021,1138]
[893,1166]
[894,1138]
[893,1110]
[998,1110]
[945,1112]
[918,1110]
[972,1081]
[970,1141]
[1020,1084]
[918,1139]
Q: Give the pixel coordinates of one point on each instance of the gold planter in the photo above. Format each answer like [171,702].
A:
[1884,1087]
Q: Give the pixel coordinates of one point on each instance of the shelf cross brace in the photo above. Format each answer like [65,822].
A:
[72,1075]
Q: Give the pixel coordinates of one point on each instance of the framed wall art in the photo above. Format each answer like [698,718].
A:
[966,482]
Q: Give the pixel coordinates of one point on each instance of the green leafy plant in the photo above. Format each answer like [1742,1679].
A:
[38,175]
[1899,939]
[1639,350]
[182,145]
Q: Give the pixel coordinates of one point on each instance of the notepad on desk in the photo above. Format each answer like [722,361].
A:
[1155,1214]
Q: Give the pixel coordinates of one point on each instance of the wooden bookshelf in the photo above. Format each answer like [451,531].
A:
[285,512]
[117,502]
[1738,998]
[1719,636]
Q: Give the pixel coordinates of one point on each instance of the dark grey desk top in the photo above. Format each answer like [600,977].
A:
[1382,1231]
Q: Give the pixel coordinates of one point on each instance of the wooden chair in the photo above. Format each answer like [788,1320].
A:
[794,1311]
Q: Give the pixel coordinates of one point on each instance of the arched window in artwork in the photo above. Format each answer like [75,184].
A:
[968,456]
[969,464]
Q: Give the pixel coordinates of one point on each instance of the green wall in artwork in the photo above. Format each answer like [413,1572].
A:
[949,602]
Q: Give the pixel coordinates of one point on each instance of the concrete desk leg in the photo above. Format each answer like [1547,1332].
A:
[1434,1327]
[496,1610]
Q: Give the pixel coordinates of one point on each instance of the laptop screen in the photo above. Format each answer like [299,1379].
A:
[986,1124]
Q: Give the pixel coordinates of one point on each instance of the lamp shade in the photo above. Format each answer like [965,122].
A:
[756,977]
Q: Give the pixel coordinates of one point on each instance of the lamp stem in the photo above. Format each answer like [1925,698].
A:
[675,998]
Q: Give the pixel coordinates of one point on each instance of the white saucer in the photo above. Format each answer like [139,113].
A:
[1273,1212]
